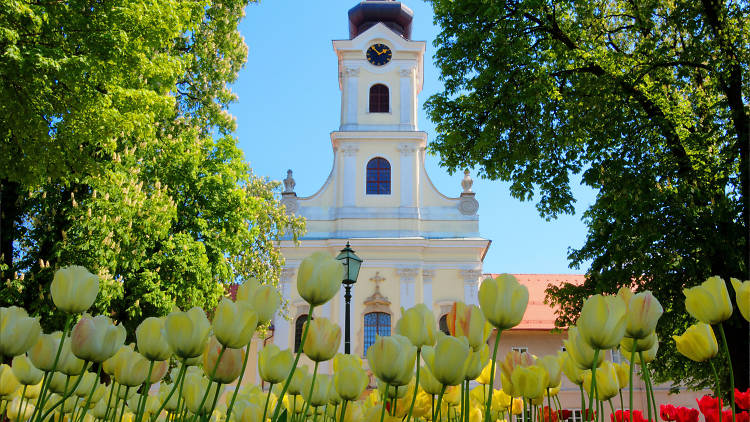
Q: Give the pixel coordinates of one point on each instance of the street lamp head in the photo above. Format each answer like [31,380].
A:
[351,264]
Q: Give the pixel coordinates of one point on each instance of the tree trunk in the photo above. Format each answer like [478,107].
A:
[9,211]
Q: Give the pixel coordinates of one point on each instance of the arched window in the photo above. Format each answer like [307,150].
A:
[443,324]
[379,99]
[299,327]
[378,177]
[376,324]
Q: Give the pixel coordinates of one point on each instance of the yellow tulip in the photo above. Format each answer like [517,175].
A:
[265,302]
[17,413]
[742,293]
[323,340]
[640,345]
[428,382]
[515,358]
[447,360]
[33,391]
[570,368]
[319,278]
[531,381]
[452,395]
[99,392]
[354,413]
[164,390]
[507,385]
[418,325]
[623,374]
[476,362]
[194,388]
[643,312]
[625,294]
[60,383]
[392,359]
[18,332]
[251,413]
[373,415]
[109,365]
[42,353]
[607,384]
[484,376]
[581,352]
[503,301]
[468,321]
[602,322]
[26,373]
[68,363]
[551,364]
[517,407]
[151,338]
[8,382]
[187,332]
[648,355]
[274,364]
[234,323]
[228,368]
[319,396]
[298,381]
[100,409]
[86,384]
[131,369]
[74,289]
[500,400]
[96,339]
[709,302]
[698,343]
[349,378]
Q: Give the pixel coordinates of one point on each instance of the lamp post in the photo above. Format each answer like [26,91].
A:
[351,269]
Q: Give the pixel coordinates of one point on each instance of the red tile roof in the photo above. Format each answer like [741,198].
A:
[540,316]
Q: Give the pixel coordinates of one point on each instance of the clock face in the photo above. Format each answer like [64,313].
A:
[379,54]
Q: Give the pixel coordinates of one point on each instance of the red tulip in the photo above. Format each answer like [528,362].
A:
[685,414]
[743,416]
[742,400]
[547,415]
[565,414]
[710,407]
[668,412]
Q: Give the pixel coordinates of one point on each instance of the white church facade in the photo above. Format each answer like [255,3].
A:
[418,244]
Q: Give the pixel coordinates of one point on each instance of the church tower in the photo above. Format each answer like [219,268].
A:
[417,245]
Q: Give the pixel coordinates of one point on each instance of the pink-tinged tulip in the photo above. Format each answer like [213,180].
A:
[698,343]
[644,311]
[109,365]
[229,366]
[418,325]
[319,278]
[323,340]
[74,289]
[96,339]
[551,364]
[742,293]
[503,301]
[709,302]
[468,321]
[131,369]
[266,302]
[18,332]
[602,322]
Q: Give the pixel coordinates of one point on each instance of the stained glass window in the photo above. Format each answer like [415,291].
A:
[378,98]
[299,326]
[443,324]
[378,177]
[376,324]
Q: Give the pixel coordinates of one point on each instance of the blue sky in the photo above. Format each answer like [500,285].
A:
[289,102]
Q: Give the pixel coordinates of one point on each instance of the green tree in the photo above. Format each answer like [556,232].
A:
[117,154]
[647,101]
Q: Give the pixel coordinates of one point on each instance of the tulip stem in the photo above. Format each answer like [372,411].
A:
[268,398]
[647,376]
[144,394]
[731,372]
[239,381]
[436,416]
[382,411]
[45,387]
[91,392]
[177,383]
[717,390]
[433,406]
[216,398]
[632,368]
[312,386]
[394,401]
[124,400]
[622,404]
[583,403]
[492,378]
[593,377]
[294,366]
[117,401]
[67,393]
[466,402]
[210,381]
[416,388]
[343,411]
